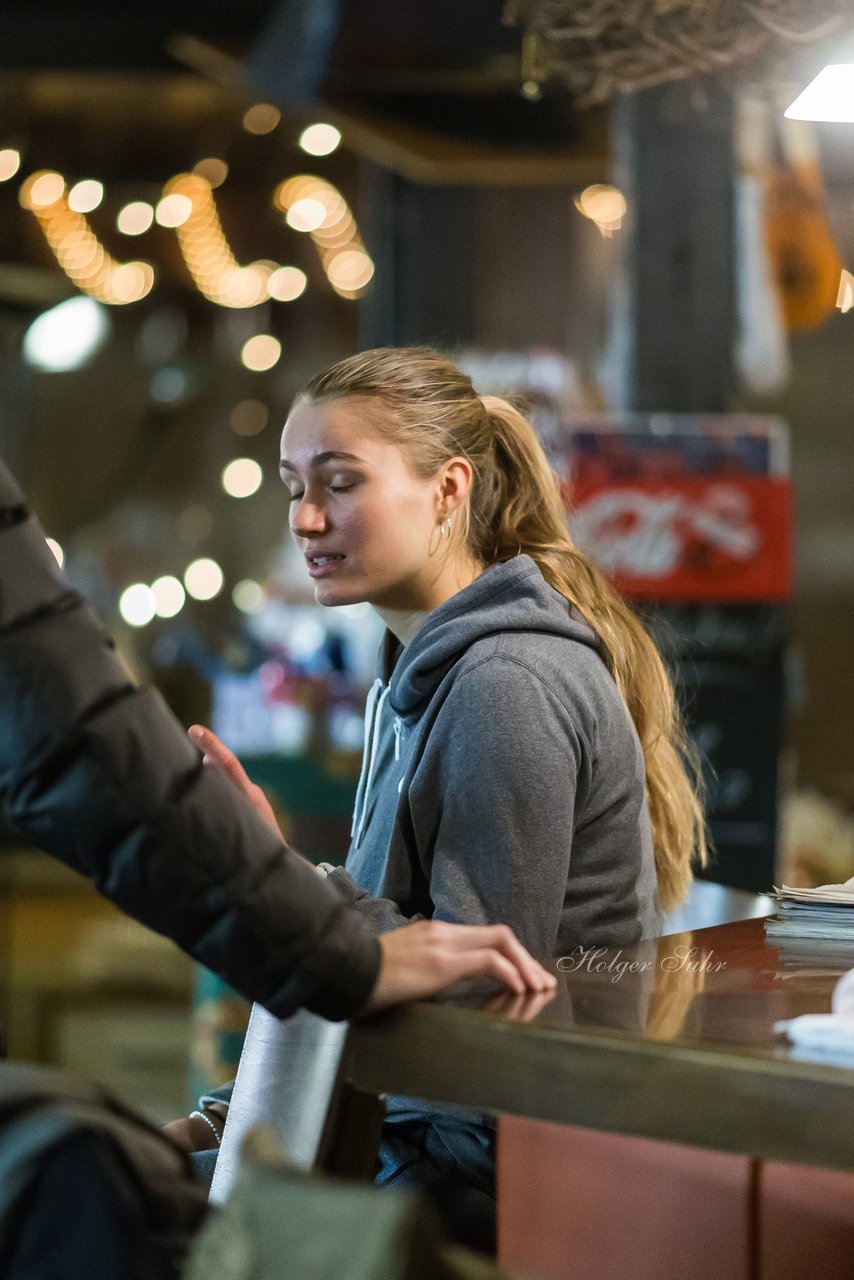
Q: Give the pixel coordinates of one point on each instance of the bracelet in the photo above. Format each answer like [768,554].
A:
[214,1130]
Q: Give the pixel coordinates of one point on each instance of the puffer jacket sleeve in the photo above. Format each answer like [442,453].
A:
[97,772]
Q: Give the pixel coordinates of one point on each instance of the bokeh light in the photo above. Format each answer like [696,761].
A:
[169,596]
[213,170]
[287,284]
[261,352]
[58,553]
[136,605]
[604,205]
[242,477]
[262,118]
[10,163]
[248,595]
[248,417]
[320,139]
[86,195]
[173,210]
[306,214]
[203,579]
[135,218]
[66,336]
[42,189]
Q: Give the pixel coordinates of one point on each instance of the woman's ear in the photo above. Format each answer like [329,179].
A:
[455,481]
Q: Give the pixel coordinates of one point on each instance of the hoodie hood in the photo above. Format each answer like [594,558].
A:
[509,597]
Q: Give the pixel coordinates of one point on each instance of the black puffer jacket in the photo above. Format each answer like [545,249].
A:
[97,772]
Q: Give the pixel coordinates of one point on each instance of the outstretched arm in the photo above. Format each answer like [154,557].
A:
[98,772]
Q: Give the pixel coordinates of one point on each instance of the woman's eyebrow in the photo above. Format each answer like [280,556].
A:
[331,455]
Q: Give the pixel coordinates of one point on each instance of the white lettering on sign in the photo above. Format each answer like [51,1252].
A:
[648,535]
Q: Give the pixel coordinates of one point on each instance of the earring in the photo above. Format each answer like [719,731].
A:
[446,526]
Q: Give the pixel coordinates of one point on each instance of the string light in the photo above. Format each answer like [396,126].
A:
[306,214]
[135,218]
[174,210]
[77,249]
[261,352]
[10,163]
[205,249]
[320,139]
[345,260]
[287,284]
[213,170]
[86,195]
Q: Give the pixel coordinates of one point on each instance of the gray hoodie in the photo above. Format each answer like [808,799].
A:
[502,778]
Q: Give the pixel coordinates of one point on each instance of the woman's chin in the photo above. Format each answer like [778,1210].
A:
[331,594]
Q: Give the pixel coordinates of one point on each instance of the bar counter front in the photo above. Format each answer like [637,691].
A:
[670,1040]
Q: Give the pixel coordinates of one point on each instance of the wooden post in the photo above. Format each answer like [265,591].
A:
[674,316]
[421,239]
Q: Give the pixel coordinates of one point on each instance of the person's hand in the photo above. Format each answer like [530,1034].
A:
[191,1133]
[424,958]
[217,753]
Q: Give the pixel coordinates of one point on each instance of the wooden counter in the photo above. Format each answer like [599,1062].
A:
[673,1039]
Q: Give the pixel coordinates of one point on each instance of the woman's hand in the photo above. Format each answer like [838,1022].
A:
[216,752]
[426,957]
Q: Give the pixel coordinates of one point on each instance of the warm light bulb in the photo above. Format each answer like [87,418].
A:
[287,284]
[10,163]
[41,190]
[86,195]
[173,210]
[306,214]
[319,139]
[350,269]
[261,352]
[214,170]
[135,218]
[242,477]
[203,579]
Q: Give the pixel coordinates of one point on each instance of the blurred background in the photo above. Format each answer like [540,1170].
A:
[202,205]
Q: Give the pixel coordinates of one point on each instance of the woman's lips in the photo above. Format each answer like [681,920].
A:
[322,566]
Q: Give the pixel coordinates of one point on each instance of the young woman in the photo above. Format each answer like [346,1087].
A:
[524,759]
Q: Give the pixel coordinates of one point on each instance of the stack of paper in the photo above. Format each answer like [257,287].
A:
[823,914]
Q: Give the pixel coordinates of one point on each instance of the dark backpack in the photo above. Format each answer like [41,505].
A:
[88,1189]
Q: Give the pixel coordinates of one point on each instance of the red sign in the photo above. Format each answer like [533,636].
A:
[711,538]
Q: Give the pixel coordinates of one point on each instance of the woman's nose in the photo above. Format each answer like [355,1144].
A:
[307,517]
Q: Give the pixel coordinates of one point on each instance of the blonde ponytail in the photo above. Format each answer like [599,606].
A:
[432,413]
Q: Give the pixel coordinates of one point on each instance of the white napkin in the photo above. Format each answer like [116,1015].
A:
[826,1033]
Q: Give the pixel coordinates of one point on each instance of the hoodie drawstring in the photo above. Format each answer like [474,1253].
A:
[372,734]
[370,707]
